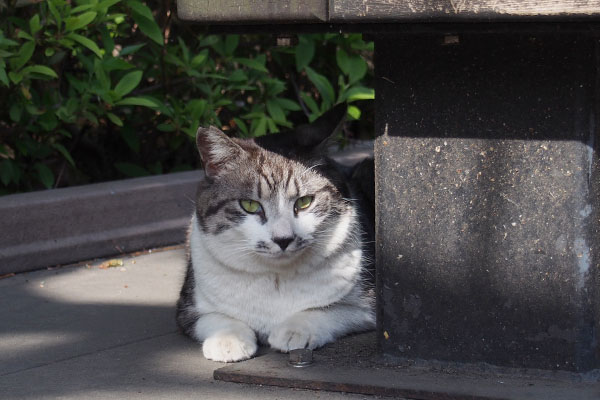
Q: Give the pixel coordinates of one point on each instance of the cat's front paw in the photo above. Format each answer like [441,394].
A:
[228,347]
[296,333]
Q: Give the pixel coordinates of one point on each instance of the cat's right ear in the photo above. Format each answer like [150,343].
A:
[217,151]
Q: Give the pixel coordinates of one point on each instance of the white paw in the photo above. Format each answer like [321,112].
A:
[228,347]
[295,333]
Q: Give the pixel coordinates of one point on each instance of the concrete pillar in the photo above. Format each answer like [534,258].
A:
[487,199]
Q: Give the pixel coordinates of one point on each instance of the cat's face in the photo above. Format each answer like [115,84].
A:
[260,210]
[281,214]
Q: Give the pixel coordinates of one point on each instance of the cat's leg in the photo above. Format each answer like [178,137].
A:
[224,339]
[317,327]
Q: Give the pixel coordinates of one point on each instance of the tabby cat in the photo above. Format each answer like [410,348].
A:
[276,248]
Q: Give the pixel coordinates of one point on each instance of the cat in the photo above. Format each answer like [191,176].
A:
[276,249]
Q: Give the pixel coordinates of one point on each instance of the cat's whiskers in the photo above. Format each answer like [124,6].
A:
[311,168]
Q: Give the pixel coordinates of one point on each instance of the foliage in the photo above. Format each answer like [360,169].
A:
[101,89]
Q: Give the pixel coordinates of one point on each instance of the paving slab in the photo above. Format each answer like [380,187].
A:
[88,332]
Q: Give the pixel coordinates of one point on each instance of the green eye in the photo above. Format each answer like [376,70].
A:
[303,203]
[250,206]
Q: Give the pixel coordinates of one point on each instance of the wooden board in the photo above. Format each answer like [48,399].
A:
[423,10]
[252,11]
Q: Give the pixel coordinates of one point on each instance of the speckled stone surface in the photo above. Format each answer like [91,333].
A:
[487,209]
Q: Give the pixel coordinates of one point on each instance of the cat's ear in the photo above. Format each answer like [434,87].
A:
[217,151]
[321,132]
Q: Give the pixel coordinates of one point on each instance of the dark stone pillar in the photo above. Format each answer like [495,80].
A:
[487,208]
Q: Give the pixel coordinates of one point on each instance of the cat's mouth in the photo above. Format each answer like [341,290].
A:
[286,254]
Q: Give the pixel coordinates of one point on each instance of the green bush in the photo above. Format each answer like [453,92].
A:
[96,90]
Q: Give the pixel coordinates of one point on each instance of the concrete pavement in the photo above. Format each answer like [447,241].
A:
[102,333]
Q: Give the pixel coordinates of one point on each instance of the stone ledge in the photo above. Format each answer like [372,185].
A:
[60,226]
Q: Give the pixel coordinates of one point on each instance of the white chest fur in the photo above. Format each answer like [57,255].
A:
[264,299]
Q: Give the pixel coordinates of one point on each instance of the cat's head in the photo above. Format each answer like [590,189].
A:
[266,203]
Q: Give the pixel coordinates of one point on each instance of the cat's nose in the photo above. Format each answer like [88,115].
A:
[283,242]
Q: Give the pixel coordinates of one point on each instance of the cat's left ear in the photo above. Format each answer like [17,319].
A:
[322,132]
[218,152]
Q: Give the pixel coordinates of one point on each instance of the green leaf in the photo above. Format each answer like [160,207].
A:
[149,27]
[305,51]
[165,127]
[358,93]
[15,77]
[131,49]
[138,101]
[103,5]
[343,61]
[7,42]
[62,150]
[131,170]
[5,54]
[81,8]
[353,112]
[200,58]
[129,82]
[272,126]
[184,50]
[363,46]
[48,121]
[45,175]
[25,35]
[114,119]
[54,11]
[275,111]
[352,66]
[252,63]
[79,21]
[238,75]
[260,128]
[241,125]
[288,104]
[3,77]
[91,117]
[310,103]
[322,84]
[195,108]
[116,64]
[231,43]
[86,43]
[209,40]
[357,69]
[39,69]
[173,59]
[24,54]
[15,112]
[103,78]
[107,40]
[140,8]
[34,24]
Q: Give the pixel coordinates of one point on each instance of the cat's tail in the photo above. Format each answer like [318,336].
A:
[186,316]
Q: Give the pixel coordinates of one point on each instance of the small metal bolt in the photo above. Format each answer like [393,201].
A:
[451,39]
[301,358]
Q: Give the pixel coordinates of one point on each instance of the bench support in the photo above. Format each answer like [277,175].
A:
[487,199]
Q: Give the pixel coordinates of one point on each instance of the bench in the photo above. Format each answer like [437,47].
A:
[486,171]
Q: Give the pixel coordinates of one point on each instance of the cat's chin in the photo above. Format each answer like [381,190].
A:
[282,257]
